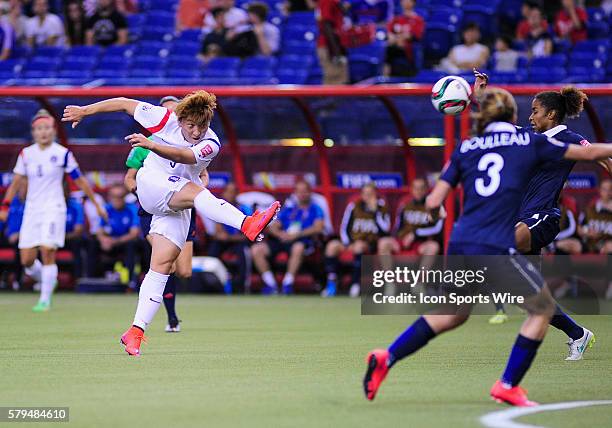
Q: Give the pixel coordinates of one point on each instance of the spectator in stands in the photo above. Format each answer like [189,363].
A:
[402,30]
[567,240]
[75,227]
[107,26]
[539,41]
[44,28]
[215,41]
[331,53]
[363,223]
[596,221]
[124,7]
[268,35]
[75,23]
[190,14]
[370,11]
[294,232]
[471,54]
[119,236]
[7,33]
[291,6]
[17,19]
[415,230]
[505,58]
[571,22]
[229,240]
[234,17]
[524,27]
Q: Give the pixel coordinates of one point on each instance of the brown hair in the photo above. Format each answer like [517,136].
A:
[198,107]
[258,9]
[569,102]
[42,114]
[496,105]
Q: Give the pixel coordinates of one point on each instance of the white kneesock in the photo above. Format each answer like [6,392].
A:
[218,210]
[34,271]
[150,298]
[268,278]
[288,279]
[48,274]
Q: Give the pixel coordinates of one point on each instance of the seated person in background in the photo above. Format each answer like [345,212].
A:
[298,6]
[468,55]
[190,14]
[44,28]
[257,37]
[214,42]
[402,30]
[74,17]
[524,27]
[539,41]
[75,226]
[506,58]
[571,22]
[228,239]
[294,233]
[118,236]
[7,32]
[415,231]
[234,17]
[363,223]
[596,222]
[107,26]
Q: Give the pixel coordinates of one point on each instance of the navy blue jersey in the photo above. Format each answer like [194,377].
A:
[494,169]
[543,190]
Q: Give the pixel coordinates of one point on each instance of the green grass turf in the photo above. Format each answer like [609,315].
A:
[269,362]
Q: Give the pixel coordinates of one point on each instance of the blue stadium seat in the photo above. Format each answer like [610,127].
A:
[519,76]
[599,45]
[150,47]
[315,76]
[596,14]
[298,47]
[83,52]
[160,34]
[19,51]
[161,19]
[297,62]
[182,47]
[190,36]
[562,46]
[111,61]
[597,30]
[362,67]
[292,76]
[10,68]
[547,74]
[428,76]
[153,63]
[119,70]
[445,15]
[298,32]
[445,3]
[163,5]
[258,67]
[75,63]
[124,50]
[49,51]
[438,40]
[554,60]
[483,15]
[305,19]
[222,67]
[75,73]
[40,68]
[510,10]
[374,50]
[183,67]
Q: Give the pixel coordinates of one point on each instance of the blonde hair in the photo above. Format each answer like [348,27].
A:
[198,107]
[496,105]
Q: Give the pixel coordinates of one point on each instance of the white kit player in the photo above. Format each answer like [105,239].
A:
[169,185]
[41,167]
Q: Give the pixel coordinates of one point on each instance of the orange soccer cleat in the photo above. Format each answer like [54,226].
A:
[131,340]
[253,225]
[376,372]
[515,396]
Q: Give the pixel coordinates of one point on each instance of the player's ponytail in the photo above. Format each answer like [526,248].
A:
[569,102]
[496,105]
[199,107]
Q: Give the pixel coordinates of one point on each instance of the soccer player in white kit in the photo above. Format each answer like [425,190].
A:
[169,185]
[41,166]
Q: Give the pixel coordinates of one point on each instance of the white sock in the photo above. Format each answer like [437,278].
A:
[268,278]
[288,279]
[150,298]
[218,210]
[48,274]
[34,271]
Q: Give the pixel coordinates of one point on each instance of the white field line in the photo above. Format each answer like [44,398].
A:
[504,418]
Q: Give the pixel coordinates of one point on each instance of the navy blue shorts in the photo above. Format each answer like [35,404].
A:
[145,224]
[544,228]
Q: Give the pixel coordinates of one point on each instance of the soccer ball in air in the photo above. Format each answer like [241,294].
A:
[451,95]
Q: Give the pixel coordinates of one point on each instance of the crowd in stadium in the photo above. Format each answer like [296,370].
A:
[302,240]
[303,41]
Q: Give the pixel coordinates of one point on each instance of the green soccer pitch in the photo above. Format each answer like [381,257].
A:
[276,361]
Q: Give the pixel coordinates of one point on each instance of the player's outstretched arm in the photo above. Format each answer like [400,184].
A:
[438,194]
[592,152]
[18,180]
[129,181]
[175,154]
[76,114]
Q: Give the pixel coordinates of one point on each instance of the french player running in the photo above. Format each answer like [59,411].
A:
[182,267]
[539,215]
[493,177]
[182,145]
[41,167]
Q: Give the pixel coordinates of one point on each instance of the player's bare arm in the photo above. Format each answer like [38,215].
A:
[86,188]
[76,114]
[129,181]
[592,152]
[175,154]
[438,194]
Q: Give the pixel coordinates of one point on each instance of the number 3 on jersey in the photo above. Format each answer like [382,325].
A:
[492,163]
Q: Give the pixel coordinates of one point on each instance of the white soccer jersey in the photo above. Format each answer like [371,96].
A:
[44,169]
[164,127]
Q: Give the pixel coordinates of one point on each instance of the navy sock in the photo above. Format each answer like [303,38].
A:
[410,341]
[563,322]
[499,307]
[170,297]
[356,275]
[331,266]
[521,357]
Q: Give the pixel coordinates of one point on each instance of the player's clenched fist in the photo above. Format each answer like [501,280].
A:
[139,140]
[73,114]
